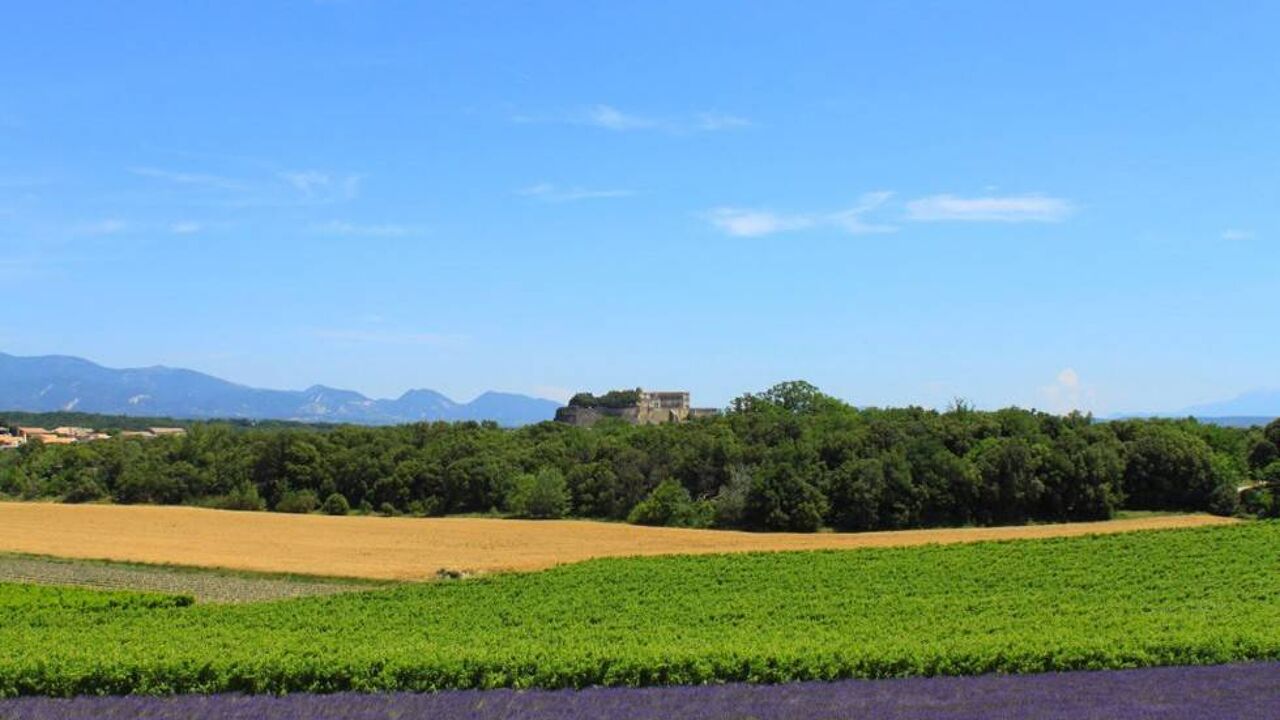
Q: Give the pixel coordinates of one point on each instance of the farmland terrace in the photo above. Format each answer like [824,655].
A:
[1199,596]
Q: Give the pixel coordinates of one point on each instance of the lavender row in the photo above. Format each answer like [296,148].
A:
[1250,690]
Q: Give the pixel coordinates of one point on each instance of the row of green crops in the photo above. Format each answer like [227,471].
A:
[26,601]
[1172,597]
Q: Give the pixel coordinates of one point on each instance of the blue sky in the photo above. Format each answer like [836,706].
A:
[903,202]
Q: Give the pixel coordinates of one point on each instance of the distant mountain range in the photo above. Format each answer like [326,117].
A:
[55,382]
[1256,403]
[1256,407]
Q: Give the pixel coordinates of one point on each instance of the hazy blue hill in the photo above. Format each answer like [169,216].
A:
[1253,404]
[1256,407]
[508,409]
[1239,421]
[58,383]
[422,405]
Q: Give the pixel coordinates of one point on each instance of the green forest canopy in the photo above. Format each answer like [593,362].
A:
[788,458]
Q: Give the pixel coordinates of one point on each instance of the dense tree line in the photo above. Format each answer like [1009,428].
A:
[789,458]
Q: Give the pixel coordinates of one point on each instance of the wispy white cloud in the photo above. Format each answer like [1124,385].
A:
[746,222]
[852,221]
[609,117]
[550,192]
[185,227]
[377,230]
[1237,234]
[315,184]
[1009,208]
[276,188]
[749,222]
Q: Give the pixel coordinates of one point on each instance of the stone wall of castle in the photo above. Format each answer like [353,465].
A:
[653,409]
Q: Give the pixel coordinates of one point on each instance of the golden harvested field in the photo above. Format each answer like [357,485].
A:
[414,548]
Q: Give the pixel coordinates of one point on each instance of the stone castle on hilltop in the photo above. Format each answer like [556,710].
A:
[638,407]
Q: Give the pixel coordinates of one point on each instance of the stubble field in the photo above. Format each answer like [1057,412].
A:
[416,549]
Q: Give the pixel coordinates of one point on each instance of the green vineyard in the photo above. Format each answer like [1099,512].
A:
[1159,598]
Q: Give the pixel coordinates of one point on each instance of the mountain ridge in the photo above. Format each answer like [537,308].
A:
[50,383]
[1258,403]
[1250,408]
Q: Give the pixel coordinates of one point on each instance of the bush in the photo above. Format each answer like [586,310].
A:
[15,482]
[1010,485]
[616,399]
[148,482]
[613,399]
[670,505]
[1168,469]
[1272,432]
[1262,453]
[1270,475]
[1263,500]
[243,497]
[1228,478]
[298,501]
[1260,502]
[542,496]
[780,499]
[84,490]
[729,506]
[336,504]
[594,489]
[583,400]
[425,508]
[854,490]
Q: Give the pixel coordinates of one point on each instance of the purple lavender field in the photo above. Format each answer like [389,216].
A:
[1247,690]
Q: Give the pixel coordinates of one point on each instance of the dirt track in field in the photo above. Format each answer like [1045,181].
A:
[414,548]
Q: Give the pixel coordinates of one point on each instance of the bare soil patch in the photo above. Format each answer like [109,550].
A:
[205,585]
[416,549]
